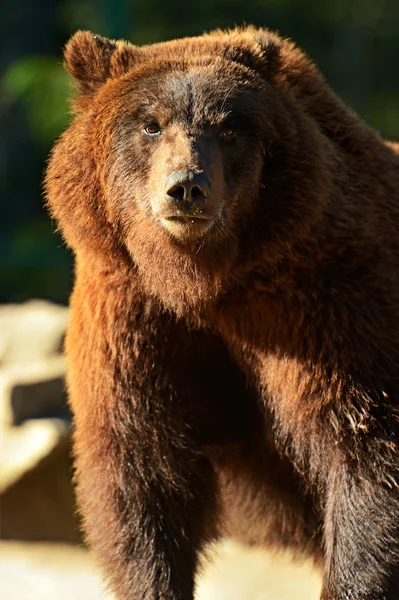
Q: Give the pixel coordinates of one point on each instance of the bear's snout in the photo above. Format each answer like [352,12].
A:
[186,206]
[187,190]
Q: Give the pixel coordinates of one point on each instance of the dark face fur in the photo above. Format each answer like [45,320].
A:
[188,152]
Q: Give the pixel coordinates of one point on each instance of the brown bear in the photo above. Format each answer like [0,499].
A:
[233,346]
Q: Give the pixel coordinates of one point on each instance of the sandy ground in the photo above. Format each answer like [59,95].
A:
[32,571]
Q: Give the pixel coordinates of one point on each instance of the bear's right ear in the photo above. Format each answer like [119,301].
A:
[88,60]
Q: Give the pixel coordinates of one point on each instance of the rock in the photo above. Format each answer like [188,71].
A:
[38,502]
[31,330]
[24,447]
[36,489]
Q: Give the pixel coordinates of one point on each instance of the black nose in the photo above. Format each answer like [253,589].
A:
[187,189]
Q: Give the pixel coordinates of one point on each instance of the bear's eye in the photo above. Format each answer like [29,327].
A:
[227,133]
[152,129]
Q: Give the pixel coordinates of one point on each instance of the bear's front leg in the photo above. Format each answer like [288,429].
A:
[145,528]
[144,490]
[362,520]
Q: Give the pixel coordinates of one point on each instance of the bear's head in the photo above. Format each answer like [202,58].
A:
[188,161]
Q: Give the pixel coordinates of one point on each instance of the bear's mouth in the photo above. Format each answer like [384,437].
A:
[187,219]
[185,227]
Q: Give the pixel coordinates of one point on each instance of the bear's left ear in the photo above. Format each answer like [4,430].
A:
[88,60]
[92,59]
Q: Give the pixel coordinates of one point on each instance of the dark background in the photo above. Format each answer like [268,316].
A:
[354,42]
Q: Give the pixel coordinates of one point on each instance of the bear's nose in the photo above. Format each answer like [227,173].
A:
[187,189]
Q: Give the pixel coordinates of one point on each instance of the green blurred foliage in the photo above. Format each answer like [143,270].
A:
[354,42]
[39,85]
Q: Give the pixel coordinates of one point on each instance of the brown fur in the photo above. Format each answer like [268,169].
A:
[236,373]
